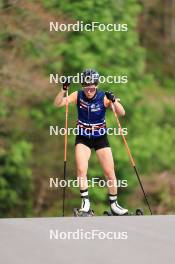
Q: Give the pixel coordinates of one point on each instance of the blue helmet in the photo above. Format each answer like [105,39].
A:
[90,76]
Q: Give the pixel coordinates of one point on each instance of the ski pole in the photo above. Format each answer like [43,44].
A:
[65,150]
[131,157]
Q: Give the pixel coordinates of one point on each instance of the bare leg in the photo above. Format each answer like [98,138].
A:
[106,160]
[82,155]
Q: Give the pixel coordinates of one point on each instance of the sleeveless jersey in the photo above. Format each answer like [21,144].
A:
[91,115]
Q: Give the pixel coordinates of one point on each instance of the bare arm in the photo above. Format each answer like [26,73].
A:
[119,108]
[60,99]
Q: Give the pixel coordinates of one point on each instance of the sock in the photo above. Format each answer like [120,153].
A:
[85,203]
[112,198]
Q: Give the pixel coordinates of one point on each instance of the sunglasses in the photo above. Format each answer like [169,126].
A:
[89,89]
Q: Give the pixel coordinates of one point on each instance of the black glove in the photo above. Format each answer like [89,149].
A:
[110,96]
[66,84]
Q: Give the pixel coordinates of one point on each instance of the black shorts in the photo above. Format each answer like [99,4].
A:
[93,142]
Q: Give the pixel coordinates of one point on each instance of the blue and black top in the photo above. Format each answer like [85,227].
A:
[91,114]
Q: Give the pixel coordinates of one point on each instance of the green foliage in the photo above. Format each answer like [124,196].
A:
[3,110]
[16,180]
[45,114]
[156,21]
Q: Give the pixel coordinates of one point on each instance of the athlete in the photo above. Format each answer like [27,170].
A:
[91,106]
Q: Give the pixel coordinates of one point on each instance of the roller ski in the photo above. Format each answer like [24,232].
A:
[117,210]
[85,210]
[138,211]
[80,213]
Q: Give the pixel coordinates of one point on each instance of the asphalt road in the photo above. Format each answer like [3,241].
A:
[136,239]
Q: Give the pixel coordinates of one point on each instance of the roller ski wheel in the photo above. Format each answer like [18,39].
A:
[78,213]
[139,211]
[108,213]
